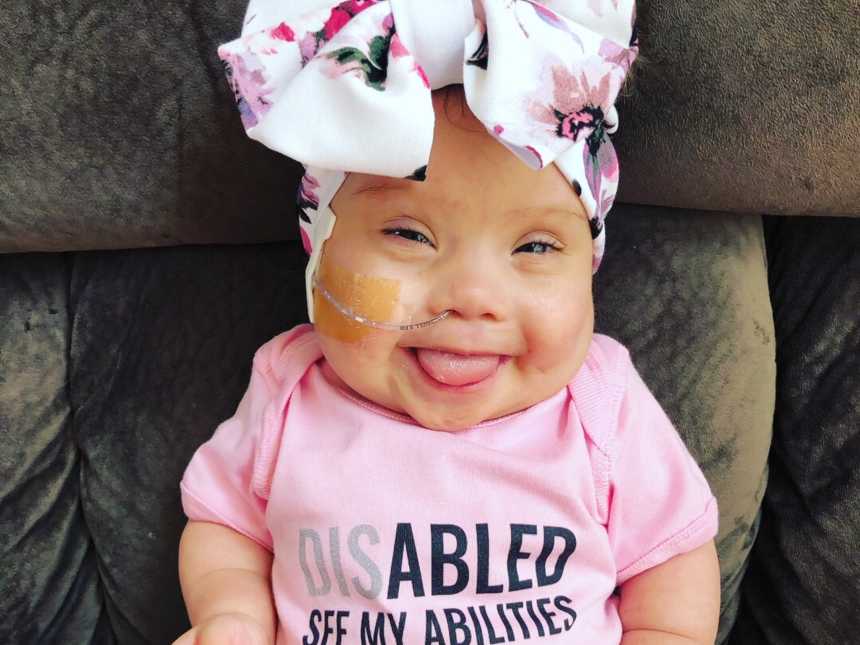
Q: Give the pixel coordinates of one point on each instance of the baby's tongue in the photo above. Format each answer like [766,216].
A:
[456,369]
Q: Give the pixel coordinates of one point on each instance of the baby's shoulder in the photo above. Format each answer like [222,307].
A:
[607,360]
[599,387]
[284,358]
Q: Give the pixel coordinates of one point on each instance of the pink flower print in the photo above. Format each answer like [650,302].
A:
[308,47]
[397,47]
[335,23]
[249,89]
[355,7]
[313,41]
[307,199]
[306,196]
[601,171]
[614,53]
[597,6]
[570,125]
[550,18]
[388,23]
[420,71]
[342,14]
[306,241]
[283,32]
[537,155]
[580,98]
[371,62]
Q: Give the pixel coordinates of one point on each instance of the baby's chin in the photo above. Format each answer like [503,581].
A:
[453,420]
[457,417]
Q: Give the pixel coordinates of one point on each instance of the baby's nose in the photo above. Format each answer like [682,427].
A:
[473,289]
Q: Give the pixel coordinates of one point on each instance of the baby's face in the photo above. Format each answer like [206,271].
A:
[506,249]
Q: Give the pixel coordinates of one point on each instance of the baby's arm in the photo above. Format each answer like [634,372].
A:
[676,602]
[223,572]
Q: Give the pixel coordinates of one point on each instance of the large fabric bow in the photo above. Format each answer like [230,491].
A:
[346,88]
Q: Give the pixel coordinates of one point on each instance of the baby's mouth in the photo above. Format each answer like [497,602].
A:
[454,369]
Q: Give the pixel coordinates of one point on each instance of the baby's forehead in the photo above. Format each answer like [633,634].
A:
[377,191]
[363,184]
[498,192]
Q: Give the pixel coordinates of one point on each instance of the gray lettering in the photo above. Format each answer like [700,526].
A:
[364,561]
[313,536]
[334,550]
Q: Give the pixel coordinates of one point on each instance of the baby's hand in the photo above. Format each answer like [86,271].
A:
[226,629]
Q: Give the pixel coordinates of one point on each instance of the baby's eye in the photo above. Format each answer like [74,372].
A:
[408,234]
[538,246]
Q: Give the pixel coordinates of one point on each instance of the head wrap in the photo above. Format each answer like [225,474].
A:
[345,87]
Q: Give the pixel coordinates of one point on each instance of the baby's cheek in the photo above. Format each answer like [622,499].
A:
[367,296]
[328,321]
[356,363]
[558,334]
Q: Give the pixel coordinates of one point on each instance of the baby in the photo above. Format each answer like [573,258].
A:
[448,454]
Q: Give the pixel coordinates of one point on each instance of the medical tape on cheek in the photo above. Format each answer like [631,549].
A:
[368,296]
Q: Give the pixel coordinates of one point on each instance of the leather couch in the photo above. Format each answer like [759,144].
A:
[135,216]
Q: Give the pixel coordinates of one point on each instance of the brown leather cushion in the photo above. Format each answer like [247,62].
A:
[686,292]
[801,586]
[745,106]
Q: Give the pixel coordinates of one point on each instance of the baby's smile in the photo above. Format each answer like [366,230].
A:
[455,370]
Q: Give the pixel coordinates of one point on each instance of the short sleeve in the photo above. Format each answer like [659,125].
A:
[660,504]
[226,479]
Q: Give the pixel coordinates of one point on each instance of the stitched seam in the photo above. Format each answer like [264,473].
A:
[236,526]
[666,545]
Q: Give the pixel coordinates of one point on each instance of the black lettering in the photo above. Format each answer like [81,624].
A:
[432,630]
[327,614]
[341,630]
[491,631]
[378,635]
[457,626]
[398,629]
[439,559]
[484,585]
[315,635]
[559,602]
[404,541]
[534,617]
[549,535]
[508,629]
[479,632]
[547,615]
[516,553]
[515,607]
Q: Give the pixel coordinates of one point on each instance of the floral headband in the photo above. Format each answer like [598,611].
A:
[345,87]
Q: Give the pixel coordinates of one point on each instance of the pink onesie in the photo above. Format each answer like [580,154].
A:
[516,530]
